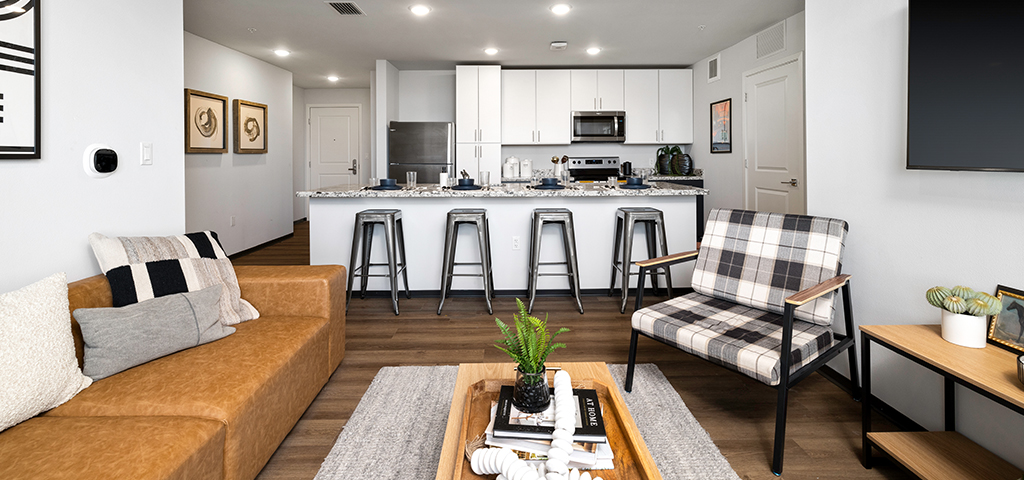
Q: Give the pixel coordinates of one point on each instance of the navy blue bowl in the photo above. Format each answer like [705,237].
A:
[388,182]
[549,181]
[465,182]
[634,181]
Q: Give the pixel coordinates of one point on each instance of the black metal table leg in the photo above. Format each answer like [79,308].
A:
[950,403]
[865,367]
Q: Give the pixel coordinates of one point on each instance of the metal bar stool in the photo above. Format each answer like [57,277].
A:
[626,219]
[478,218]
[394,234]
[563,217]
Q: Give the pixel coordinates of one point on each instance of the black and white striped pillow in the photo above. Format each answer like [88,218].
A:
[141,268]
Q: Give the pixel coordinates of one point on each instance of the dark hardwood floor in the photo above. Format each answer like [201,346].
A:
[823,433]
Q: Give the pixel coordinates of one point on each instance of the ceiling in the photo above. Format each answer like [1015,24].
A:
[323,42]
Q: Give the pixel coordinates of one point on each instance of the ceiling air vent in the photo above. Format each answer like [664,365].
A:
[346,8]
[772,40]
[714,68]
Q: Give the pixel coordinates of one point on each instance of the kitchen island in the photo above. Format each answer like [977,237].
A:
[424,209]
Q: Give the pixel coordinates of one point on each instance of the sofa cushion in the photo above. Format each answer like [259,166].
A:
[139,448]
[734,336]
[117,339]
[257,382]
[141,268]
[38,368]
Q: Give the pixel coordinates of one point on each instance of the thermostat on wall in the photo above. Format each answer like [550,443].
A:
[99,160]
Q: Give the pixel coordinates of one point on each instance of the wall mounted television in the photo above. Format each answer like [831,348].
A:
[965,88]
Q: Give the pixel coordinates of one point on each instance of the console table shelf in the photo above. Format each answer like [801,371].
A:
[989,371]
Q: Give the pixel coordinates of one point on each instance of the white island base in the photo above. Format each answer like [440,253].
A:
[332,213]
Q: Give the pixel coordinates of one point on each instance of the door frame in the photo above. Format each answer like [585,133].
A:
[799,59]
[363,164]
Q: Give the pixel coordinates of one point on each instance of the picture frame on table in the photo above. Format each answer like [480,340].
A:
[250,127]
[20,84]
[1006,329]
[206,117]
[721,126]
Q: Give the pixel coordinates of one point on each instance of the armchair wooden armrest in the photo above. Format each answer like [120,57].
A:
[668,259]
[806,295]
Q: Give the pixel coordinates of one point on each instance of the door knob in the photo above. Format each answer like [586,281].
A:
[791,182]
[353,168]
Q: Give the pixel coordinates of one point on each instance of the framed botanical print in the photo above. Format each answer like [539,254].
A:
[205,122]
[250,127]
[20,101]
[721,126]
[1007,328]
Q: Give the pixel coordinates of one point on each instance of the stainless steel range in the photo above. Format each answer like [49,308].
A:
[593,169]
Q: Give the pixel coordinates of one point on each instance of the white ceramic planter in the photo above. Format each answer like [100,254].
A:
[965,330]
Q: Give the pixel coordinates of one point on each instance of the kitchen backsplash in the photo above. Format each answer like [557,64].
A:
[642,156]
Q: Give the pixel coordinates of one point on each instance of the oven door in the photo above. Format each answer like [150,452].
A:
[598,127]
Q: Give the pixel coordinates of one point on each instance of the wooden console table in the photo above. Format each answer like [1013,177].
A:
[989,371]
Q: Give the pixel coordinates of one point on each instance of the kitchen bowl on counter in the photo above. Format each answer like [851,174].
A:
[634,183]
[387,184]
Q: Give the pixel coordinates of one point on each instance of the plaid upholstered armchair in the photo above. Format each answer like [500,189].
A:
[764,283]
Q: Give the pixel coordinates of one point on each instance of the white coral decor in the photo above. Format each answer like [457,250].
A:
[489,461]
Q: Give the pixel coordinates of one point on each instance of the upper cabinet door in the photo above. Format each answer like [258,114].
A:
[610,90]
[490,103]
[467,103]
[554,121]
[518,107]
[641,106]
[675,91]
[584,90]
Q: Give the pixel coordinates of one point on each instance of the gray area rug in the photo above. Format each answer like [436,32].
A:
[398,427]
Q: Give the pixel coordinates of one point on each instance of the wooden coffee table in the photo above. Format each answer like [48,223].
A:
[478,383]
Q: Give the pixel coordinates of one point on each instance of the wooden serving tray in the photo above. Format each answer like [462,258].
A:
[627,445]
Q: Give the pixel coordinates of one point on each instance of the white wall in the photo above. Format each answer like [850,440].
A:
[426,95]
[909,229]
[300,206]
[254,188]
[97,88]
[723,172]
[386,109]
[338,97]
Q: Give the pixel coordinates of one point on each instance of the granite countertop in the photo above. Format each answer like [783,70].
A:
[658,189]
[668,178]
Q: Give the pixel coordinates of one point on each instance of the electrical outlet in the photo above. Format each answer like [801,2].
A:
[515,243]
[232,220]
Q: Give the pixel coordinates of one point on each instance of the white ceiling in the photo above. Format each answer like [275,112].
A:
[323,43]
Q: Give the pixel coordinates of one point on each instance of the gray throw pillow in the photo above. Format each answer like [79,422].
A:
[117,339]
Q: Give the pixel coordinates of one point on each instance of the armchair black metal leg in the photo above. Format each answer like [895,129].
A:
[852,333]
[632,361]
[780,430]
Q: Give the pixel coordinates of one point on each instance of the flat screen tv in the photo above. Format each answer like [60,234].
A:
[965,91]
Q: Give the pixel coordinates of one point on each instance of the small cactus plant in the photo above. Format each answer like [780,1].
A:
[961,299]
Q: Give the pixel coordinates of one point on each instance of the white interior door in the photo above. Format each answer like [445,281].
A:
[773,143]
[334,146]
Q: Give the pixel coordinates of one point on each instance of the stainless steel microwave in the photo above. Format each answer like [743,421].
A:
[599,126]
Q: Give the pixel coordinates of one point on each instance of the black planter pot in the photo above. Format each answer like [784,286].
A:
[682,164]
[665,164]
[531,393]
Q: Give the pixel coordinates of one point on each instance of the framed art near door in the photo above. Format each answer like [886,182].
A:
[721,126]
[250,127]
[20,132]
[1006,329]
[205,122]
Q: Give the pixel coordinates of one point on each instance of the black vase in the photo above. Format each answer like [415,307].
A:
[682,164]
[531,393]
[665,164]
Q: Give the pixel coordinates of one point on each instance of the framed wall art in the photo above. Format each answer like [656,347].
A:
[721,126]
[1007,328]
[20,132]
[250,127]
[206,116]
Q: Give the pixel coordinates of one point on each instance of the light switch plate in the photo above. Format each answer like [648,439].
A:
[147,153]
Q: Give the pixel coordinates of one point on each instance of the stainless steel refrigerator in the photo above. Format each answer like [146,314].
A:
[427,148]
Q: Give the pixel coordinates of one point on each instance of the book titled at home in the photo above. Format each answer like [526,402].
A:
[510,422]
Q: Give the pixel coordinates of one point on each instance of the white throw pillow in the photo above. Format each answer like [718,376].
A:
[38,367]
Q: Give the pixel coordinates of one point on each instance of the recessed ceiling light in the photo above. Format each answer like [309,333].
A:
[282,52]
[561,9]
[420,10]
[332,78]
[593,50]
[491,51]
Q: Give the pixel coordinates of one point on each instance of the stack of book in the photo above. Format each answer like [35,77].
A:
[529,434]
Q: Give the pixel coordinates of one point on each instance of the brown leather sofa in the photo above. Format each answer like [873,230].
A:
[216,411]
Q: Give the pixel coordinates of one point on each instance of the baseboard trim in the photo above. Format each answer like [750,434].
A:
[261,246]
[887,412]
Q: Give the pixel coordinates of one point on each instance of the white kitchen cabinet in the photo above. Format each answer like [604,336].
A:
[594,90]
[658,106]
[535,106]
[477,157]
[478,103]
[490,161]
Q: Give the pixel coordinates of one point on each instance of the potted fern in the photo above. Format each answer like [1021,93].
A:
[529,345]
[964,314]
